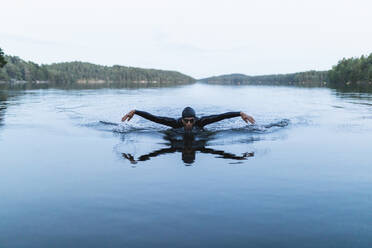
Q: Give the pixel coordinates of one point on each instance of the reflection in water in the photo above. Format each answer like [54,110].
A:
[355,97]
[198,141]
[188,145]
[3,106]
[354,88]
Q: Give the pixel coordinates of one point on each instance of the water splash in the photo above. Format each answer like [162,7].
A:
[119,127]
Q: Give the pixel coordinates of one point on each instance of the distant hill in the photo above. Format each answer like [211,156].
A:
[309,78]
[18,72]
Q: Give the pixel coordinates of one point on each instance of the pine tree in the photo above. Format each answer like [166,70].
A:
[2,58]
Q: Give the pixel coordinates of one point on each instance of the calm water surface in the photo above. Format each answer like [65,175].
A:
[72,175]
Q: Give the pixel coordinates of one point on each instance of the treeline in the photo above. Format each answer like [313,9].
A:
[17,72]
[309,78]
[2,59]
[352,71]
[347,73]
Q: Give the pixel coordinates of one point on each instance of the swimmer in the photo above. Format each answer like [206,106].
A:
[188,120]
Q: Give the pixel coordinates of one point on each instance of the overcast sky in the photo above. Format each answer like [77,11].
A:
[198,38]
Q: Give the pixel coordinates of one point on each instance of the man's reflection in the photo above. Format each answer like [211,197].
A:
[188,145]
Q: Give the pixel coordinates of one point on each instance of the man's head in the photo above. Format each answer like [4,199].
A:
[188,118]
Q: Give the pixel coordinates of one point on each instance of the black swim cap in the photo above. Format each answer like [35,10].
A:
[188,112]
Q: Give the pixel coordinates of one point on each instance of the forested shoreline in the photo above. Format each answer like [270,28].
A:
[348,72]
[352,71]
[17,73]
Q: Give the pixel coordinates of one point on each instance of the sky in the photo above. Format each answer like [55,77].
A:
[199,38]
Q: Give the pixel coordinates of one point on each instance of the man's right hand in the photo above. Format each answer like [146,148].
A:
[128,116]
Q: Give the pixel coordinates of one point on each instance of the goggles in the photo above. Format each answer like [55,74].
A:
[191,120]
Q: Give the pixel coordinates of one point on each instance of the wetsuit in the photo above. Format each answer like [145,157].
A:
[177,123]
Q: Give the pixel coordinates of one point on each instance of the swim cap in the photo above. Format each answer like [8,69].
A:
[188,112]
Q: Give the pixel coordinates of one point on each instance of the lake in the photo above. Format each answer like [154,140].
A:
[73,175]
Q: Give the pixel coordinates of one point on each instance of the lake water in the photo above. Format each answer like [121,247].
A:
[72,175]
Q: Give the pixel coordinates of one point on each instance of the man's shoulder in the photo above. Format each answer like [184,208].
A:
[179,122]
[198,122]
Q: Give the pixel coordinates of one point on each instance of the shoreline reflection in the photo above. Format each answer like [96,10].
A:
[3,107]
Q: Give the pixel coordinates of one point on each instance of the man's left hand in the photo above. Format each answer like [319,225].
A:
[247,118]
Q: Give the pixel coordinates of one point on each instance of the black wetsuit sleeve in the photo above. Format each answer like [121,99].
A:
[158,119]
[205,120]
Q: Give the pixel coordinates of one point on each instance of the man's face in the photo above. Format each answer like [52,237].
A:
[188,122]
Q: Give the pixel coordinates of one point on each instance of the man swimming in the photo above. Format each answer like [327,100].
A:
[188,120]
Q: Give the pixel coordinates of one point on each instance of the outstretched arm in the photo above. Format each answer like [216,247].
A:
[227,155]
[158,119]
[214,118]
[149,155]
